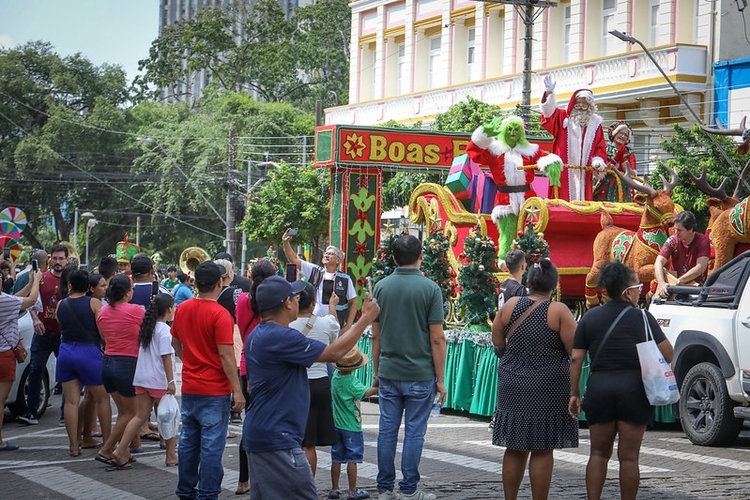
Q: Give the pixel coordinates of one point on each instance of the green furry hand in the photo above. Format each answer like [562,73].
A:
[553,171]
[491,129]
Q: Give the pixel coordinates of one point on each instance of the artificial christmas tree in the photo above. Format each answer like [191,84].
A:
[435,263]
[533,245]
[477,282]
[383,263]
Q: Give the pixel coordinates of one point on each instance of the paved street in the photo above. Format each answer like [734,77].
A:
[458,463]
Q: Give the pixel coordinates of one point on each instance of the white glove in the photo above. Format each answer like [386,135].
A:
[549,84]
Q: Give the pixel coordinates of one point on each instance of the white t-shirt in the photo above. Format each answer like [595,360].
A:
[321,309]
[149,371]
[326,330]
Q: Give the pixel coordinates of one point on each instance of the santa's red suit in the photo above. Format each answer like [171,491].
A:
[513,184]
[576,145]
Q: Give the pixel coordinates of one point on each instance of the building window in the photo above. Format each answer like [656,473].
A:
[609,9]
[566,33]
[434,62]
[471,55]
[653,22]
[373,72]
[403,87]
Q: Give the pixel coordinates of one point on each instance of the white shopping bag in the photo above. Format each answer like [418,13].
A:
[168,416]
[657,375]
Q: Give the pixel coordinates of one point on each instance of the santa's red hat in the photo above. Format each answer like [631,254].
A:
[585,93]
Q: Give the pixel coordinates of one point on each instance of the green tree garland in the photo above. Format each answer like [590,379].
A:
[435,263]
[477,282]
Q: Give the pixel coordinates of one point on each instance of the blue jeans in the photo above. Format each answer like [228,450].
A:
[41,348]
[205,420]
[413,401]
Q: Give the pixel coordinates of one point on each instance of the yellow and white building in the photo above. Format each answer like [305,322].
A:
[414,59]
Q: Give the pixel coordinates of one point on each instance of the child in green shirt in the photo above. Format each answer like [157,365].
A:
[347,392]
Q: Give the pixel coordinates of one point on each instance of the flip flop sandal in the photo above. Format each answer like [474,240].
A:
[118,467]
[334,494]
[104,460]
[9,447]
[151,436]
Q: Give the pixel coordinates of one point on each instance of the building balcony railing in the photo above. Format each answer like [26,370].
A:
[617,79]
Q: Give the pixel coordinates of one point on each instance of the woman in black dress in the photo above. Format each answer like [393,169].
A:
[531,416]
[615,401]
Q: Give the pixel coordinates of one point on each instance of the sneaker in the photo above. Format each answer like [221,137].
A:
[236,418]
[61,422]
[27,419]
[418,495]
[388,495]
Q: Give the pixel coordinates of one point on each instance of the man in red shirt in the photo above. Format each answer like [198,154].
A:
[203,338]
[47,329]
[689,252]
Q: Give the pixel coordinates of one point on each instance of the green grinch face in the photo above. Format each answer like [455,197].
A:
[513,133]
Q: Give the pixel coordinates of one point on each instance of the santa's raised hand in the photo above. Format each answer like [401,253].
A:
[549,84]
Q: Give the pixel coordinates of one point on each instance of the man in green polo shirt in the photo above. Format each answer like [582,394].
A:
[408,355]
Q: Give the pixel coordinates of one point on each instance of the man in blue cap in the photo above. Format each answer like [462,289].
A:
[277,360]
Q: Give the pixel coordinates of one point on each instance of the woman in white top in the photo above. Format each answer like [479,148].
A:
[154,374]
[320,429]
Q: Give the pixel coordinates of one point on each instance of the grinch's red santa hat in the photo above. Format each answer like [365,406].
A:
[579,94]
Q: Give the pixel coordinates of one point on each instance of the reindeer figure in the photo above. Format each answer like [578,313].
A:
[636,249]
[728,224]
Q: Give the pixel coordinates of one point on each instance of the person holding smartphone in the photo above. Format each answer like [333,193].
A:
[327,280]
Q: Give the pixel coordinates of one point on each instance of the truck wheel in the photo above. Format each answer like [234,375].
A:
[19,406]
[706,411]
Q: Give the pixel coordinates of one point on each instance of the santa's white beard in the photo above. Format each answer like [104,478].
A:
[581,118]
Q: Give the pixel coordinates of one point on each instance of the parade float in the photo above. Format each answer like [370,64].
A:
[458,212]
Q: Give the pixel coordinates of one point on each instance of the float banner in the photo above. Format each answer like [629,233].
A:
[349,145]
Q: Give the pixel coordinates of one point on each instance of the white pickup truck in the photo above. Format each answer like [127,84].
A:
[709,327]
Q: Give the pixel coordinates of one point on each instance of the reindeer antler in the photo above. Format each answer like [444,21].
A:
[738,187]
[722,130]
[628,180]
[702,184]
[672,183]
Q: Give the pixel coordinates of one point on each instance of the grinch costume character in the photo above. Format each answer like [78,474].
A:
[502,146]
[620,157]
[578,140]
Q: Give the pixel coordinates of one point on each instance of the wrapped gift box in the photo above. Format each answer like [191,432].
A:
[461,177]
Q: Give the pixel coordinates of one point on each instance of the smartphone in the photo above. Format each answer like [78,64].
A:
[154,288]
[292,232]
[368,282]
[291,273]
[34,265]
[6,253]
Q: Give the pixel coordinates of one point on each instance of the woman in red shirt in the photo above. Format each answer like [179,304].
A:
[119,323]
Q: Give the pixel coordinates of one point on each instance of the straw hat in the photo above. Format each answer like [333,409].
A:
[352,360]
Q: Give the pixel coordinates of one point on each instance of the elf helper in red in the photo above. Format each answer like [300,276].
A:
[578,140]
[502,146]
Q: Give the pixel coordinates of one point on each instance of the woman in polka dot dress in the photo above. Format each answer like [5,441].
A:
[531,416]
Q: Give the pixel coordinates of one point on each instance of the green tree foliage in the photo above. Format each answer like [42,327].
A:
[293,196]
[476,281]
[435,263]
[256,49]
[56,148]
[467,115]
[692,149]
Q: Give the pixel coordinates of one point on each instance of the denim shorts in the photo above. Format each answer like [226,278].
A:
[349,447]
[78,361]
[118,373]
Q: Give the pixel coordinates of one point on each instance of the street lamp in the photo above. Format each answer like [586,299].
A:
[631,39]
[90,223]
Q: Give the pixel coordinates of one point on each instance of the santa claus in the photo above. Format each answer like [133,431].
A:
[578,140]
[502,146]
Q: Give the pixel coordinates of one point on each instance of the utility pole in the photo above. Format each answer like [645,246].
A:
[525,10]
[231,235]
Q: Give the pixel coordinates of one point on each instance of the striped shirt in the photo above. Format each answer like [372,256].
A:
[10,306]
